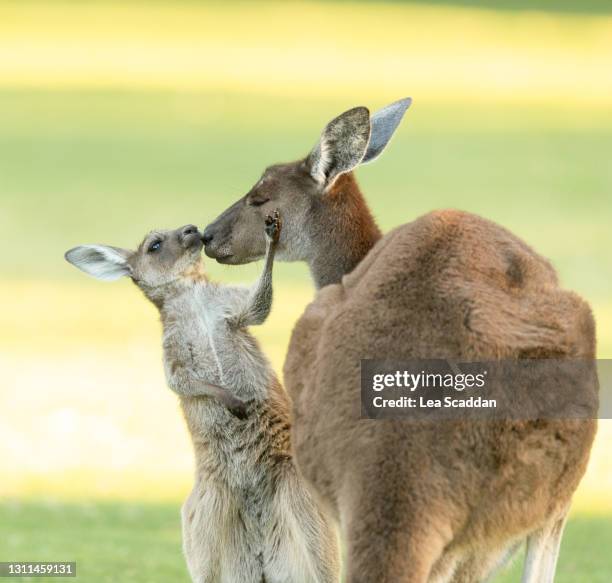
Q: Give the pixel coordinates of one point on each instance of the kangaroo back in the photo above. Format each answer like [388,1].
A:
[448,285]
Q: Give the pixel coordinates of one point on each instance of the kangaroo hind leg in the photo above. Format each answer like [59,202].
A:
[543,551]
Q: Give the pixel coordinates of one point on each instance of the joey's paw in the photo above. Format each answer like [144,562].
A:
[273,226]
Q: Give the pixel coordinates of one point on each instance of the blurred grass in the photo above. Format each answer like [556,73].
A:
[132,542]
[110,542]
[117,117]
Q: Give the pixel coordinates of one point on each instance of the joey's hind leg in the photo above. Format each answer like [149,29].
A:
[301,545]
[200,550]
[216,544]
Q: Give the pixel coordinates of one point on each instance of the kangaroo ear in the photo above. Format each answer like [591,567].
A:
[384,123]
[100,261]
[341,146]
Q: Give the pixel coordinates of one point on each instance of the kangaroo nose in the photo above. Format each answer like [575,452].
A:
[207,236]
[188,230]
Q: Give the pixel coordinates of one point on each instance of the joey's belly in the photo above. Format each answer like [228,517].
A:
[234,362]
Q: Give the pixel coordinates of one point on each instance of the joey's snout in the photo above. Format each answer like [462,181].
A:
[190,238]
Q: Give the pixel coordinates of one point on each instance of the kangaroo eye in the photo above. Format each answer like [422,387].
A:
[258,201]
[154,246]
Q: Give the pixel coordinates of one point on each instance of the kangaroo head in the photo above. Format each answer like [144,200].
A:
[297,189]
[164,257]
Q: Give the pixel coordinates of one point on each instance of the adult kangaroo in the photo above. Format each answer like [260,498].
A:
[416,502]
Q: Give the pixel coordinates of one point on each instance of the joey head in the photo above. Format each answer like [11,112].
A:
[167,266]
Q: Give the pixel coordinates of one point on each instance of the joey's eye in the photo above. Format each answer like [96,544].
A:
[154,246]
[258,201]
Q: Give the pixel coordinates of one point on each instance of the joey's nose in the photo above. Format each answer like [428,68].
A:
[189,237]
[189,230]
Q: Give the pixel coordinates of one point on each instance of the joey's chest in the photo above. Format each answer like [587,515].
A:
[198,335]
[201,339]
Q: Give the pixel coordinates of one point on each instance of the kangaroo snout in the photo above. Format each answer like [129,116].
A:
[217,244]
[208,235]
[218,236]
[212,237]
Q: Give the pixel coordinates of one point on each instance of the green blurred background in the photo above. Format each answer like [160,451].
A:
[117,117]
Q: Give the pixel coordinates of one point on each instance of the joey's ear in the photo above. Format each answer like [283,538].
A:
[100,261]
[384,123]
[341,146]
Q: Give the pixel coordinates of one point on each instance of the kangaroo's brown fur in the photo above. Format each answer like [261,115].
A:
[348,226]
[421,500]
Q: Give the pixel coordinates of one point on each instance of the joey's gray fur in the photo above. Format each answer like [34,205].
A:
[249,517]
